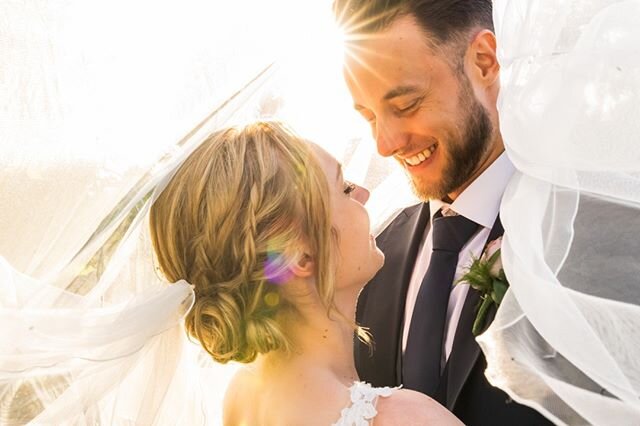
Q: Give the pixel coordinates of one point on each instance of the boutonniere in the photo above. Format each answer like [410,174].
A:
[486,276]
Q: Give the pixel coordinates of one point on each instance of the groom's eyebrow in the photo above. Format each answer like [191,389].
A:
[394,93]
[400,91]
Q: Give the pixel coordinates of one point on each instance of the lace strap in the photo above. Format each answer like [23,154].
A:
[363,404]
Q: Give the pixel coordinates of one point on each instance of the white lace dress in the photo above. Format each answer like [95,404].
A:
[363,404]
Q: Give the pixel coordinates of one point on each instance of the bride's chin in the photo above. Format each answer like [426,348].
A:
[380,259]
[377,263]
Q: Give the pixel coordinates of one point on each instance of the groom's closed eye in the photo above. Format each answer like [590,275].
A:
[409,106]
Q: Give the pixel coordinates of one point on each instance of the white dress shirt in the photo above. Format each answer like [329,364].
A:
[479,202]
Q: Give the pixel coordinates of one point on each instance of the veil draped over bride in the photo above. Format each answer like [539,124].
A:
[104,100]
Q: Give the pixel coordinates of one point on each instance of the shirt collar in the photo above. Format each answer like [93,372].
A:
[480,201]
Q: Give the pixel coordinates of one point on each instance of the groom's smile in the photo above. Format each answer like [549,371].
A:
[422,167]
[421,157]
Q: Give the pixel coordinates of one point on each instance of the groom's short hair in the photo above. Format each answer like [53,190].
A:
[445,20]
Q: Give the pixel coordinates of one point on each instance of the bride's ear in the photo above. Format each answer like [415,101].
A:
[305,266]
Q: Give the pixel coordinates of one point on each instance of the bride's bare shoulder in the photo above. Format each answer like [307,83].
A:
[239,392]
[407,407]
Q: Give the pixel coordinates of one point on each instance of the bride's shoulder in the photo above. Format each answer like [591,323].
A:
[242,380]
[409,407]
[240,390]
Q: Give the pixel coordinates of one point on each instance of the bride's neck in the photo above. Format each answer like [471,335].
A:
[323,341]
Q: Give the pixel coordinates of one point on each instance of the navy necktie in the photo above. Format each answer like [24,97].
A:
[421,361]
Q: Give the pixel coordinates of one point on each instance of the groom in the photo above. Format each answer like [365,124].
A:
[424,74]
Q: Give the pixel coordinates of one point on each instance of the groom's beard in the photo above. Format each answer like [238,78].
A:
[462,155]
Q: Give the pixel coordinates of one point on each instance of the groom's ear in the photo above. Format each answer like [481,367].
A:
[481,59]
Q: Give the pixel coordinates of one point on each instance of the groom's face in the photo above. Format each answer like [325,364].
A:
[422,111]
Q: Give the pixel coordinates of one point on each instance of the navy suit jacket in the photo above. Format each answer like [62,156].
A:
[463,388]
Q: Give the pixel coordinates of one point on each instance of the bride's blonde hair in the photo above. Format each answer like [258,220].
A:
[230,222]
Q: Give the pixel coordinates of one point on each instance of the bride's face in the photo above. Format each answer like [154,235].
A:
[358,257]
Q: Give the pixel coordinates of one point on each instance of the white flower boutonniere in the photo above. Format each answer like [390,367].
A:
[486,276]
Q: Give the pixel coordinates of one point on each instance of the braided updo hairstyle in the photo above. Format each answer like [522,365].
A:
[231,221]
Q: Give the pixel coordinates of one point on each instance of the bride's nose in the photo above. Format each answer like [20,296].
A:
[361,194]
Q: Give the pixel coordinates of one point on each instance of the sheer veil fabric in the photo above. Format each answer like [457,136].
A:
[93,125]
[565,339]
[105,100]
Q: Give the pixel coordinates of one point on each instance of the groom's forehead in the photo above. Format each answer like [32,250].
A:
[392,70]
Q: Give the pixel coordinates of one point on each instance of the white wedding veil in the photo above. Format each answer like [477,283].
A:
[566,339]
[103,100]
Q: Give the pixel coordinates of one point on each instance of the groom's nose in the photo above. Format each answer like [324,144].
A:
[389,139]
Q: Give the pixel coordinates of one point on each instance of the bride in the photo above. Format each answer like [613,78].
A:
[277,246]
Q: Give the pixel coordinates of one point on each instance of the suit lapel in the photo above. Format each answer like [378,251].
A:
[465,349]
[381,302]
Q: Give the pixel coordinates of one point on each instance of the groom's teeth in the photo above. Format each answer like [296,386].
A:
[420,157]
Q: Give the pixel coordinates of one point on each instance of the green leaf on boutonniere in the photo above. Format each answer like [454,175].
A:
[499,289]
[486,276]
[477,276]
[478,323]
[478,280]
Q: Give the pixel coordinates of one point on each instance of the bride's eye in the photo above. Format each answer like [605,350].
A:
[349,187]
